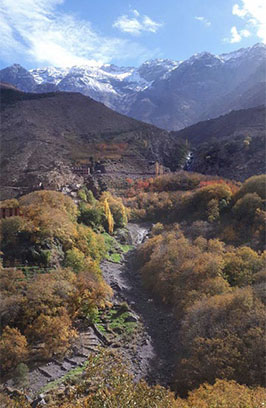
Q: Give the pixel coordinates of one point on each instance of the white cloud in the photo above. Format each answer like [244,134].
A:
[135,24]
[136,13]
[237,11]
[35,29]
[236,36]
[245,33]
[203,20]
[253,12]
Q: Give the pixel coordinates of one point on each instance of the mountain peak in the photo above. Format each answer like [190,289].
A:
[19,77]
[16,68]
[205,57]
[242,52]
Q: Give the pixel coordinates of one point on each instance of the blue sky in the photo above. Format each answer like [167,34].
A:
[38,33]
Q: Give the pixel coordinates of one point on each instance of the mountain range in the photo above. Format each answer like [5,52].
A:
[168,94]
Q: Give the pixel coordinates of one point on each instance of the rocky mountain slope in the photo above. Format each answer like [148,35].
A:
[168,94]
[231,146]
[204,87]
[43,136]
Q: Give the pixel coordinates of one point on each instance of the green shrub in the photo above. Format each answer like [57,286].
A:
[75,259]
[93,216]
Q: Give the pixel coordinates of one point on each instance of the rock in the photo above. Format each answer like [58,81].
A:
[118,330]
[69,391]
[132,318]
[38,402]
[123,236]
[14,393]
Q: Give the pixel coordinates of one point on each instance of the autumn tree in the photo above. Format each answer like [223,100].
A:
[117,209]
[246,207]
[109,217]
[13,348]
[254,184]
[228,336]
[55,332]
[241,265]
[224,394]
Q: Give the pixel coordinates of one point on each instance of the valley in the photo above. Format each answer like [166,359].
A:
[132,262]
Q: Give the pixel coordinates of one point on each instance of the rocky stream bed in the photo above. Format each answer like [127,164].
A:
[154,358]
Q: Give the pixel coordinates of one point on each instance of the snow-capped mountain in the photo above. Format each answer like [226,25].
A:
[169,94]
[108,83]
[136,78]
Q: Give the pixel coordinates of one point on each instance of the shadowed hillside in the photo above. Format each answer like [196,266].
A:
[231,146]
[44,135]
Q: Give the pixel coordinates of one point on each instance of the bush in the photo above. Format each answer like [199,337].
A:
[93,216]
[75,259]
[82,195]
[106,382]
[255,184]
[210,200]
[224,394]
[241,265]
[21,374]
[246,207]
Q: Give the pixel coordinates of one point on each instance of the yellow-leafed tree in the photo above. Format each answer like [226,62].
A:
[109,217]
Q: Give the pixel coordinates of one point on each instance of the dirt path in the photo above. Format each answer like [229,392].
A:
[155,354]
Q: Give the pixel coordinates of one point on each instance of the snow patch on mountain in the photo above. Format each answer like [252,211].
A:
[51,75]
